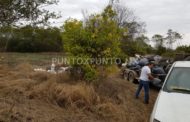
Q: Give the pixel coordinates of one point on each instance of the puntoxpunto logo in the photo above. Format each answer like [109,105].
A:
[84,61]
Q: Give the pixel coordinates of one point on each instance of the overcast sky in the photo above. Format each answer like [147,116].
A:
[159,15]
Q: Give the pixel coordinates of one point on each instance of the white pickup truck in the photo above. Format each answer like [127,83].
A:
[173,102]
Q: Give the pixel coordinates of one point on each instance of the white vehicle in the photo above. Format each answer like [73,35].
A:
[173,102]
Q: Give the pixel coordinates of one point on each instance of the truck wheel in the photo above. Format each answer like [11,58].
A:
[131,77]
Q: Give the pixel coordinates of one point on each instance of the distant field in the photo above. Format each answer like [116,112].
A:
[39,59]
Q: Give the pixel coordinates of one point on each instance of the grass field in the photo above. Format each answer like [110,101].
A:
[28,96]
[32,58]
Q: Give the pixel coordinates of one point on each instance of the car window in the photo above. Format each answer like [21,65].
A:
[178,80]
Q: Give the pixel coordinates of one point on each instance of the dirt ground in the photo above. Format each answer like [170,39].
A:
[28,96]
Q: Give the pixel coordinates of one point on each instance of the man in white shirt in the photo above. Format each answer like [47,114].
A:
[145,78]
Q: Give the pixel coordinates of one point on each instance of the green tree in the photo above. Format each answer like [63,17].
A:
[19,12]
[139,45]
[13,11]
[159,44]
[159,40]
[100,38]
[172,37]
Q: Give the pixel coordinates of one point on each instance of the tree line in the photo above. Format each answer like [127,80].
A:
[30,39]
[23,28]
[113,33]
[24,23]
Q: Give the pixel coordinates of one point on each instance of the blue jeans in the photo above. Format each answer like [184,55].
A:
[145,85]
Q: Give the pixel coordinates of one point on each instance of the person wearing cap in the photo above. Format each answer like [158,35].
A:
[144,80]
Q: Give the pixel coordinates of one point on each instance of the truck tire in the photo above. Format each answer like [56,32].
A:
[131,77]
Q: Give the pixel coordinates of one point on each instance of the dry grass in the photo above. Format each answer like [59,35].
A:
[27,96]
[65,95]
[64,78]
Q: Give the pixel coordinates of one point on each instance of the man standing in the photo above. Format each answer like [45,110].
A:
[145,77]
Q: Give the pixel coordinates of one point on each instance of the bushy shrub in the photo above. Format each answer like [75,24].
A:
[90,73]
[98,38]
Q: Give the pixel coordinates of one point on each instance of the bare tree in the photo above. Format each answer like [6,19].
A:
[124,15]
[112,2]
[85,17]
[126,18]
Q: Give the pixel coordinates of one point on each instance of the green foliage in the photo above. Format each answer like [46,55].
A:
[138,46]
[183,49]
[169,53]
[30,39]
[90,73]
[73,32]
[122,57]
[159,40]
[13,11]
[99,38]
[161,50]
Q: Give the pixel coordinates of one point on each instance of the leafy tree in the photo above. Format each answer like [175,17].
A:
[139,46]
[159,40]
[96,39]
[19,12]
[172,37]
[100,38]
[159,44]
[127,21]
[13,11]
[142,45]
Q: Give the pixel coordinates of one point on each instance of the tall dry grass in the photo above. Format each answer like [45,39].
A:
[66,95]
[59,97]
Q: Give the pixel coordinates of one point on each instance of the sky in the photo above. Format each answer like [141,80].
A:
[159,15]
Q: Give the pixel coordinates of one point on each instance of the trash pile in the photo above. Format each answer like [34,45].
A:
[142,60]
[53,69]
[132,68]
